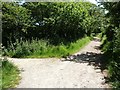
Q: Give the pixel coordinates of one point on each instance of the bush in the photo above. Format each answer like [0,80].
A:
[112,57]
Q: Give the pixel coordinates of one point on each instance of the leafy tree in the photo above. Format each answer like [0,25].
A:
[60,22]
[113,38]
[15,21]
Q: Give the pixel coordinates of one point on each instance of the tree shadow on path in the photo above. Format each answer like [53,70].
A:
[92,58]
[89,57]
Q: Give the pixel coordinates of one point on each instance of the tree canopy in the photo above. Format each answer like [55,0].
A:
[57,22]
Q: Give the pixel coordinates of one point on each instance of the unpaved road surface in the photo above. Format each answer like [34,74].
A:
[72,72]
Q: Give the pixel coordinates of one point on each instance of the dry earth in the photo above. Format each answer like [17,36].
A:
[76,71]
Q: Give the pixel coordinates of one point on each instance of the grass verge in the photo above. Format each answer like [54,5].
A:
[42,48]
[10,74]
[62,50]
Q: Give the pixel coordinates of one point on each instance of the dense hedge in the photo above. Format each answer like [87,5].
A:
[111,45]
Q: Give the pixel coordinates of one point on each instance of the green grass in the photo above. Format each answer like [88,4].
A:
[62,50]
[10,74]
[43,49]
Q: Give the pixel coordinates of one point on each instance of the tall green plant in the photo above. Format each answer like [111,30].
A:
[112,33]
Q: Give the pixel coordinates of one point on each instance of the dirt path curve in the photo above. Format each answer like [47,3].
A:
[74,72]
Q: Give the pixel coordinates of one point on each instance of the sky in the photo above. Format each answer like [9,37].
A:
[93,1]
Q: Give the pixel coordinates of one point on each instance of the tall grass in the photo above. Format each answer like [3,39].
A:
[10,74]
[41,48]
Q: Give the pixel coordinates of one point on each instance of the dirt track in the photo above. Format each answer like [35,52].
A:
[76,71]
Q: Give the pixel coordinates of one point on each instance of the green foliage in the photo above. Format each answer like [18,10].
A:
[15,21]
[25,48]
[41,48]
[57,22]
[60,24]
[111,45]
[10,74]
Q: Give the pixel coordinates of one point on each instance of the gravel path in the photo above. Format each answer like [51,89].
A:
[73,72]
